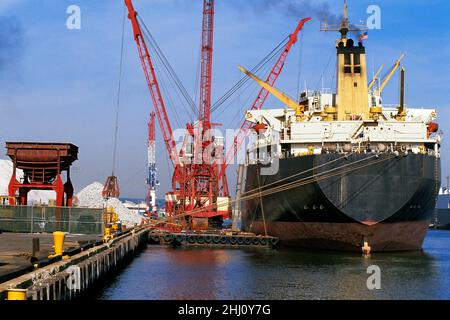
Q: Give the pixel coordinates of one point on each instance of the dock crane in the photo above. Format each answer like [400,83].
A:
[194,184]
[156,97]
[152,182]
[203,189]
[199,185]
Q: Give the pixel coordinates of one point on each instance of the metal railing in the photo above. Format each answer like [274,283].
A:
[35,219]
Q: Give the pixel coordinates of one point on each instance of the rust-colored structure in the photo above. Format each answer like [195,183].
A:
[42,164]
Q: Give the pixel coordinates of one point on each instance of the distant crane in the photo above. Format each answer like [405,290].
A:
[152,182]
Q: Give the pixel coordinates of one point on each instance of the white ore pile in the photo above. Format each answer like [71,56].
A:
[91,196]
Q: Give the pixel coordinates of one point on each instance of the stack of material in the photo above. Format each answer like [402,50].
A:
[91,197]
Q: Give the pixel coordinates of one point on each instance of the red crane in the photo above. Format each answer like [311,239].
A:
[259,101]
[192,183]
[202,190]
[206,63]
[196,183]
[153,85]
[151,158]
[155,94]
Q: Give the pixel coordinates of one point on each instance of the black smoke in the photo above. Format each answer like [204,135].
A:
[11,41]
[296,8]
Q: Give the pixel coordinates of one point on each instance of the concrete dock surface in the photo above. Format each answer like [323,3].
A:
[16,250]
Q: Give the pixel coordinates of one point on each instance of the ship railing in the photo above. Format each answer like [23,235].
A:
[359,150]
[311,93]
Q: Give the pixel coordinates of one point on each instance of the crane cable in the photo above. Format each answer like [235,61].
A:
[240,114]
[244,86]
[276,51]
[298,184]
[116,128]
[288,184]
[295,184]
[168,67]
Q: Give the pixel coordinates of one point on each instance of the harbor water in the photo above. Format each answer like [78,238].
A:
[198,273]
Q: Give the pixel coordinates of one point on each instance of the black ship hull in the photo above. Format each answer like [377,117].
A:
[334,202]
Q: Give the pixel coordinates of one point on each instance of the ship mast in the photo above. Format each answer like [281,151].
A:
[345,26]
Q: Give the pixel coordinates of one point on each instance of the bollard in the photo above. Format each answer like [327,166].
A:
[36,246]
[17,294]
[107,234]
[58,238]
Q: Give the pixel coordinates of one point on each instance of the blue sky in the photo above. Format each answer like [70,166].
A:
[61,85]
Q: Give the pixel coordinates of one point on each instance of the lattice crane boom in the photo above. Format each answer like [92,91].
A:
[151,156]
[153,86]
[206,63]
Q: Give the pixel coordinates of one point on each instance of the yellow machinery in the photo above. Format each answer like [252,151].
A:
[5,200]
[111,223]
[401,115]
[17,294]
[299,109]
[375,78]
[389,75]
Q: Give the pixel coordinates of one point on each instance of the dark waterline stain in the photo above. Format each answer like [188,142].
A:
[195,273]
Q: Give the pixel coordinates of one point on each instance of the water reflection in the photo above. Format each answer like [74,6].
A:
[194,273]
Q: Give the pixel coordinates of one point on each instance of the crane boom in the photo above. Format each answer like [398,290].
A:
[391,72]
[262,96]
[151,158]
[153,85]
[291,103]
[375,78]
[206,63]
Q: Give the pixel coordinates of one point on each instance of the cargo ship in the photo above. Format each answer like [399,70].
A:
[441,219]
[338,169]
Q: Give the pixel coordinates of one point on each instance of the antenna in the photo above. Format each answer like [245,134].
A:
[344,27]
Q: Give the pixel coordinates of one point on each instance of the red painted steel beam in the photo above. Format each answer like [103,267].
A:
[151,127]
[153,86]
[206,64]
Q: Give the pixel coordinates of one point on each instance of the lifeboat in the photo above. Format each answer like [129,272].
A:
[260,127]
[432,127]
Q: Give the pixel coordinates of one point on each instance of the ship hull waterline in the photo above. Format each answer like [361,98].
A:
[338,202]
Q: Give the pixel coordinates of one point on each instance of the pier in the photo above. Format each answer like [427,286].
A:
[73,273]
